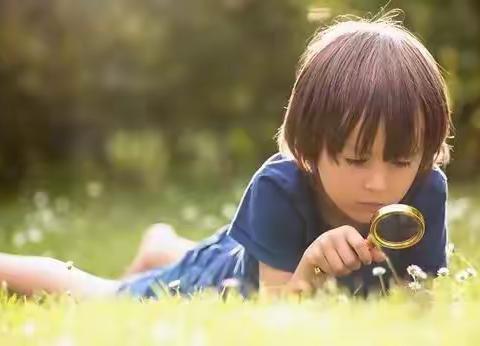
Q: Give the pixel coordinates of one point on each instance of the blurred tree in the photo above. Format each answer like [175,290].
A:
[210,77]
[74,73]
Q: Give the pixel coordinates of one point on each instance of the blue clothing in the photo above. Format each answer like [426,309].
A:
[276,221]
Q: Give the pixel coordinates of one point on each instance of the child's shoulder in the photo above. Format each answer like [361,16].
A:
[283,172]
[436,181]
[432,186]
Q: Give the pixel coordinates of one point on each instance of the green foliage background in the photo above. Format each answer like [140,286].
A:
[138,92]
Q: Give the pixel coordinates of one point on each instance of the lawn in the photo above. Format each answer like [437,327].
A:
[85,223]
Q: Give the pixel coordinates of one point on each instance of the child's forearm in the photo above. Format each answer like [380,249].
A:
[30,274]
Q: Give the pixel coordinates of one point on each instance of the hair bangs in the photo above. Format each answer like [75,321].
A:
[357,78]
[375,92]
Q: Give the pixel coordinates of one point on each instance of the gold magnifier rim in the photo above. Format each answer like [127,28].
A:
[388,210]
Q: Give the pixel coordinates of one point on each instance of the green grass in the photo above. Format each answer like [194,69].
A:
[82,227]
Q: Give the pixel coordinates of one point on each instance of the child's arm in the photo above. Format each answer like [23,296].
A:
[30,274]
[336,252]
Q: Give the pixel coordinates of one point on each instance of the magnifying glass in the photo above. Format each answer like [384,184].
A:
[395,226]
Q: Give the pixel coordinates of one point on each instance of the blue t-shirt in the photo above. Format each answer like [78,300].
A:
[277,220]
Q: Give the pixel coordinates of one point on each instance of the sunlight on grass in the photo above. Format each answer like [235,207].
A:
[443,311]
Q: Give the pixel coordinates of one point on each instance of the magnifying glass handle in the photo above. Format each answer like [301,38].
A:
[372,244]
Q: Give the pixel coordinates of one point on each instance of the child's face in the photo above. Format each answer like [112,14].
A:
[358,186]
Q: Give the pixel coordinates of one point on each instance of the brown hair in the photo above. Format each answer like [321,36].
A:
[368,73]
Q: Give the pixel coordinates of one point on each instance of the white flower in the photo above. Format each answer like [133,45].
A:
[34,235]
[443,271]
[416,272]
[29,328]
[228,210]
[378,271]
[231,283]
[413,269]
[165,332]
[471,272]
[190,213]
[415,286]
[19,239]
[422,275]
[40,199]
[461,276]
[62,205]
[65,340]
[94,189]
[174,285]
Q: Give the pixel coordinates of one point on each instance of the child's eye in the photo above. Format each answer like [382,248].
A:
[356,162]
[401,163]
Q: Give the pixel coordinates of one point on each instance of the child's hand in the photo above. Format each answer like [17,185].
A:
[340,251]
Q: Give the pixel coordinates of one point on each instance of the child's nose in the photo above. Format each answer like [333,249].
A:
[376,180]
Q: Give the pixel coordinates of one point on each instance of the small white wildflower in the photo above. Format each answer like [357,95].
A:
[198,338]
[471,272]
[443,271]
[47,217]
[422,275]
[416,272]
[69,265]
[19,239]
[228,210]
[4,286]
[165,332]
[174,285]
[190,213]
[34,235]
[458,208]
[231,283]
[342,298]
[461,276]
[415,286]
[29,328]
[65,340]
[40,199]
[62,205]
[412,269]
[378,271]
[94,189]
[210,221]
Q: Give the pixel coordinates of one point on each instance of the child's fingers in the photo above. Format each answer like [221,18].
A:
[359,245]
[378,255]
[334,261]
[317,258]
[323,264]
[347,254]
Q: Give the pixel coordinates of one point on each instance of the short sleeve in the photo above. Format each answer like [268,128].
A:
[268,225]
[430,253]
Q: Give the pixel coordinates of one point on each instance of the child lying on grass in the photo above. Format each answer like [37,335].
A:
[365,126]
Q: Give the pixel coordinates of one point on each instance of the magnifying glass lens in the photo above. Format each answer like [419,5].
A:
[397,228]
